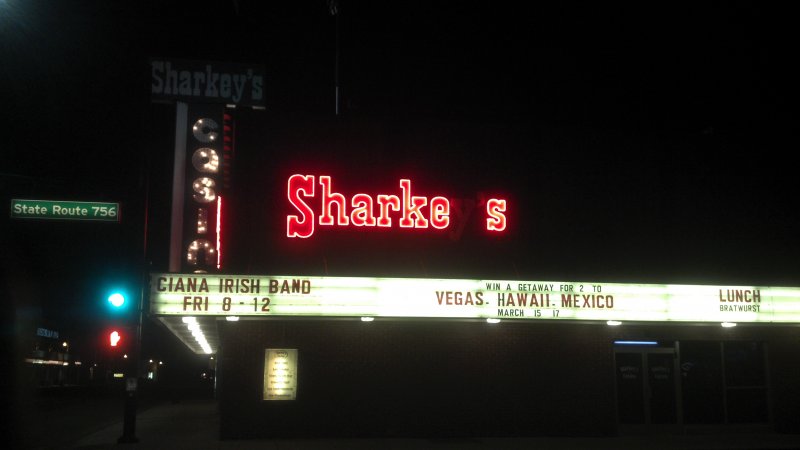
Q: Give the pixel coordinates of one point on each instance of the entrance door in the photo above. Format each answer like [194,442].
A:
[647,389]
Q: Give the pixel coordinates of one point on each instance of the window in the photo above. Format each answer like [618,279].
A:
[724,382]
[745,382]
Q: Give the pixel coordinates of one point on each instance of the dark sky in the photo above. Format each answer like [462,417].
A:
[637,141]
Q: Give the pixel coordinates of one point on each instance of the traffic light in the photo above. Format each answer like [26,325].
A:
[114,338]
[116,332]
[117,299]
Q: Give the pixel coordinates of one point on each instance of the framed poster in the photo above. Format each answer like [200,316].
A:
[280,374]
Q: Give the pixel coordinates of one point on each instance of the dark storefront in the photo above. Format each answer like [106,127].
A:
[408,220]
[460,375]
[509,379]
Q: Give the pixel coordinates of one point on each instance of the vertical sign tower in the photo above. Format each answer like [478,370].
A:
[203,185]
[203,150]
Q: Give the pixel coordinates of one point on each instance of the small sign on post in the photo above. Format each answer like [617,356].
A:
[64,210]
[131,384]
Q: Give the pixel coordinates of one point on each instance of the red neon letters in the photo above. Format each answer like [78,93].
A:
[495,209]
[362,210]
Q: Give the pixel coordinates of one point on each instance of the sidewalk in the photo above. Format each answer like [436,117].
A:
[195,425]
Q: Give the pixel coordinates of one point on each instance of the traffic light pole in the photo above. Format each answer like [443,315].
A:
[131,383]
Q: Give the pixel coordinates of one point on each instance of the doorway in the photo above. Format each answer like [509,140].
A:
[647,389]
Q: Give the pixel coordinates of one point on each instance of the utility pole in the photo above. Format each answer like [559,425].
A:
[333,7]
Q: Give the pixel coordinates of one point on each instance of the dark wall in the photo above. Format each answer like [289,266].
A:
[433,379]
[441,379]
[784,380]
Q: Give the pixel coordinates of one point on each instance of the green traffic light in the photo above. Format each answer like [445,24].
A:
[116,299]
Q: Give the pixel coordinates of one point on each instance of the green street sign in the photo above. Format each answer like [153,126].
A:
[64,210]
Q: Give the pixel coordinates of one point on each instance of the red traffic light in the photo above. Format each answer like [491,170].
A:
[114,338]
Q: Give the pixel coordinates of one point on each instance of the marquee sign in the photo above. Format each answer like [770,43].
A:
[173,294]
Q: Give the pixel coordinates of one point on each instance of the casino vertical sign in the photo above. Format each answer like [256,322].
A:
[203,149]
[202,216]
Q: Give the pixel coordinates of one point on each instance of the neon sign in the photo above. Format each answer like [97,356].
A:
[363,210]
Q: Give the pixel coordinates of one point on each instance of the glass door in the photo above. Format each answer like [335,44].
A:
[662,398]
[630,388]
[647,388]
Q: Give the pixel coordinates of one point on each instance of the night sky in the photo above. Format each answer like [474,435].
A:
[635,142]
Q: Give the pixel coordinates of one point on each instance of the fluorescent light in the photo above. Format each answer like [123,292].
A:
[367,319]
[490,320]
[728,324]
[613,323]
[635,342]
[232,318]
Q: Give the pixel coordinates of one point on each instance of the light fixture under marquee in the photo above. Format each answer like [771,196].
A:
[635,343]
[197,333]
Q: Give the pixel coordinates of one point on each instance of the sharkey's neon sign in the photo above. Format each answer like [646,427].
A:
[326,208]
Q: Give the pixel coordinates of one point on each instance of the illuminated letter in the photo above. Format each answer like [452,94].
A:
[495,209]
[361,215]
[440,212]
[204,130]
[204,190]
[205,160]
[294,226]
[161,281]
[411,206]
[208,250]
[386,202]
[202,220]
[325,217]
